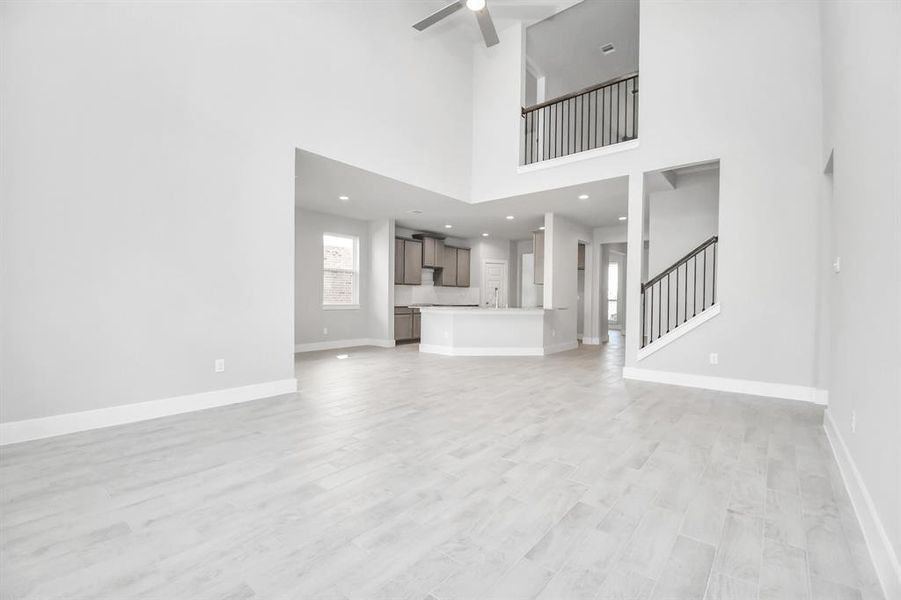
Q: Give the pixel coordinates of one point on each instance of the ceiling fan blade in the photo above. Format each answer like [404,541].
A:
[489,33]
[438,15]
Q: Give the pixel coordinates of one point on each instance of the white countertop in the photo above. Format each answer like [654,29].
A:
[481,310]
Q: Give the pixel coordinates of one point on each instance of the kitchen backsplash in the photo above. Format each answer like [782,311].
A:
[405,295]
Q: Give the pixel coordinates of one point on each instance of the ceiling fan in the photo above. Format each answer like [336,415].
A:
[489,34]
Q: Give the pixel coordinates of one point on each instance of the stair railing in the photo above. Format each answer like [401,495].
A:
[683,290]
[597,116]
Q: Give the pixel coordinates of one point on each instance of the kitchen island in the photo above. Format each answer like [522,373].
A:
[459,331]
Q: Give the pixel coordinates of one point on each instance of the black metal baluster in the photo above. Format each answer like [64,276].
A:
[659,308]
[558,133]
[677,296]
[610,119]
[635,108]
[713,300]
[526,139]
[704,290]
[582,124]
[694,295]
[668,294]
[589,120]
[651,328]
[618,106]
[644,317]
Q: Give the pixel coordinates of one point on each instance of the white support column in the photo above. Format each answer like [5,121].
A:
[633,266]
[603,323]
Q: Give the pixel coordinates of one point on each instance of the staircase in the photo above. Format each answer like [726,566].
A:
[682,296]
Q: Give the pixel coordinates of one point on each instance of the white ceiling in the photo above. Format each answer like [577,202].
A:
[503,13]
[565,48]
[319,182]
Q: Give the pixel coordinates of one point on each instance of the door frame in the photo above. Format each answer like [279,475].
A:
[483,291]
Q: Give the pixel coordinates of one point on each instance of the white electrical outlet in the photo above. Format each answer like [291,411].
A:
[714,358]
[220,365]
[853,421]
[837,265]
[325,331]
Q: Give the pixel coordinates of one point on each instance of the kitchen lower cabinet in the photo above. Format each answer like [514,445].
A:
[407,323]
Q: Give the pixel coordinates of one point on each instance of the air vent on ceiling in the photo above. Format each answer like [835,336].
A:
[608,49]
[415,212]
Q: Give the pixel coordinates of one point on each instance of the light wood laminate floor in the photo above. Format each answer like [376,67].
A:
[399,475]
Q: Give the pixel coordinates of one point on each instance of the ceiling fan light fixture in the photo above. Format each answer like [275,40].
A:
[475,5]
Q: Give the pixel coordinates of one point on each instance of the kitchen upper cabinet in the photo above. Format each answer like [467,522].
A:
[538,244]
[456,270]
[463,255]
[448,274]
[432,252]
[581,258]
[412,262]
[407,261]
[398,261]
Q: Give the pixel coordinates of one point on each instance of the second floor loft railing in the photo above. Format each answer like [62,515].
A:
[601,115]
[683,290]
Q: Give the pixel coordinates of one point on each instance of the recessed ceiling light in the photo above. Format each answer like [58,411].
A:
[484,235]
[343,197]
[583,197]
[448,226]
[541,228]
[622,218]
[475,5]
[510,217]
[341,356]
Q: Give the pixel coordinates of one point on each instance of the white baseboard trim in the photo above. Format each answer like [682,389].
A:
[724,384]
[591,341]
[689,325]
[462,351]
[44,427]
[335,344]
[888,567]
[561,347]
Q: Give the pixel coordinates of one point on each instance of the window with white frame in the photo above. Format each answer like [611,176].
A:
[340,271]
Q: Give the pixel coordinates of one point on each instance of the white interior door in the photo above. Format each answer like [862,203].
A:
[494,283]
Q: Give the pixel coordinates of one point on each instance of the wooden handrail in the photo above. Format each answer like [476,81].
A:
[679,262]
[614,81]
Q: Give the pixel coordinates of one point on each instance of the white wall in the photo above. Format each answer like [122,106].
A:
[310,318]
[381,280]
[861,44]
[487,249]
[769,147]
[562,238]
[682,218]
[146,224]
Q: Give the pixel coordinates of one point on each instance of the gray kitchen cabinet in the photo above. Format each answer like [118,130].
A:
[538,244]
[581,257]
[448,275]
[398,261]
[417,324]
[463,255]
[432,252]
[412,262]
[403,323]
